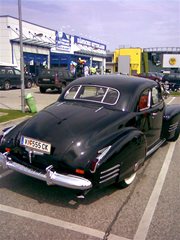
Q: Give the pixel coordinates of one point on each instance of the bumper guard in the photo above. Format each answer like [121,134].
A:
[50,177]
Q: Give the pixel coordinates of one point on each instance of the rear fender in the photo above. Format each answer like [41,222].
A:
[128,152]
[171,122]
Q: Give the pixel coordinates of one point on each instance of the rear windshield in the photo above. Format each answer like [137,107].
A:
[48,72]
[52,72]
[90,93]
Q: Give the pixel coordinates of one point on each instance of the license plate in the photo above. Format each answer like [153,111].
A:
[35,144]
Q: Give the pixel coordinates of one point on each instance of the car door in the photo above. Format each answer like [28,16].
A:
[17,77]
[150,117]
[10,76]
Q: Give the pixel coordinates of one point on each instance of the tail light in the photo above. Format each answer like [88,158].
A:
[7,149]
[79,171]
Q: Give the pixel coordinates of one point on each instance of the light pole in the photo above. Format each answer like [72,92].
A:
[21,58]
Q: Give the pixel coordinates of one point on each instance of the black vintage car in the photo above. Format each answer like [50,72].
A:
[99,132]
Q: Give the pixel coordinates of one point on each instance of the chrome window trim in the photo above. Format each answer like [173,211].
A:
[87,100]
[159,101]
[149,101]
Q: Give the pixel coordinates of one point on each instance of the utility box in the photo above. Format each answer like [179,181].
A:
[124,64]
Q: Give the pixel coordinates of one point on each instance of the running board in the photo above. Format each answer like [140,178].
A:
[160,143]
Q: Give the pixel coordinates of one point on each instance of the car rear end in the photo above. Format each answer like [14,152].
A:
[49,79]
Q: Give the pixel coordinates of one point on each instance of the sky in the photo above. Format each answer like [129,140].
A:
[116,23]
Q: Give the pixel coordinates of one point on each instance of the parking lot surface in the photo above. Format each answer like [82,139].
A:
[148,209]
[12,99]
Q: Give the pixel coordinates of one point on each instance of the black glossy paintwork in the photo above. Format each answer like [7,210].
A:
[77,130]
[171,117]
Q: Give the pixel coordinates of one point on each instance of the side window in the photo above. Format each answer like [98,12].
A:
[2,71]
[10,71]
[17,72]
[156,95]
[143,101]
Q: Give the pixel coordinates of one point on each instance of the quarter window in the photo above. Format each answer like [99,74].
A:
[2,71]
[9,71]
[17,72]
[156,96]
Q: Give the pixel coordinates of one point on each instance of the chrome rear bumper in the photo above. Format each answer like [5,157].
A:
[50,177]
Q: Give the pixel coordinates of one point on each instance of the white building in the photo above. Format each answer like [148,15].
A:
[45,47]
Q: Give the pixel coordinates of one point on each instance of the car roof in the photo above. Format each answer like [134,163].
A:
[130,87]
[118,81]
[6,67]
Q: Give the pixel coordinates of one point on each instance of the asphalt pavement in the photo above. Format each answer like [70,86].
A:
[12,99]
[148,210]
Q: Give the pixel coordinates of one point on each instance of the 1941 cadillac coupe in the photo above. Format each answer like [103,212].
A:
[99,132]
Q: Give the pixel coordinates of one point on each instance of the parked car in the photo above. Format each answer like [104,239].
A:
[172,81]
[158,75]
[99,132]
[53,79]
[10,77]
[151,75]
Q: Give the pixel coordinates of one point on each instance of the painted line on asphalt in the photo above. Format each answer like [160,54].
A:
[146,219]
[115,237]
[6,173]
[171,100]
[58,223]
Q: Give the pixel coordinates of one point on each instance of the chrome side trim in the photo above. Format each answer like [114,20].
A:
[107,175]
[110,169]
[59,104]
[99,109]
[50,177]
[155,147]
[113,176]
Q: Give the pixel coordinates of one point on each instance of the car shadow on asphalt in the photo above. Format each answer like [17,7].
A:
[54,195]
[60,196]
[51,92]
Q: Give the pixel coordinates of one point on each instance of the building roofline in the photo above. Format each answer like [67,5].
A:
[162,49]
[27,22]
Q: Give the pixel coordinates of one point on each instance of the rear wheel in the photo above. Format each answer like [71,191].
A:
[59,90]
[7,85]
[28,84]
[42,90]
[127,181]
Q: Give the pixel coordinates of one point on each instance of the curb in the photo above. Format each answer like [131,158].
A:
[14,121]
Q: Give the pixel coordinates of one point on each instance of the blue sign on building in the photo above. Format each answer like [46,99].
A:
[63,41]
[89,43]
